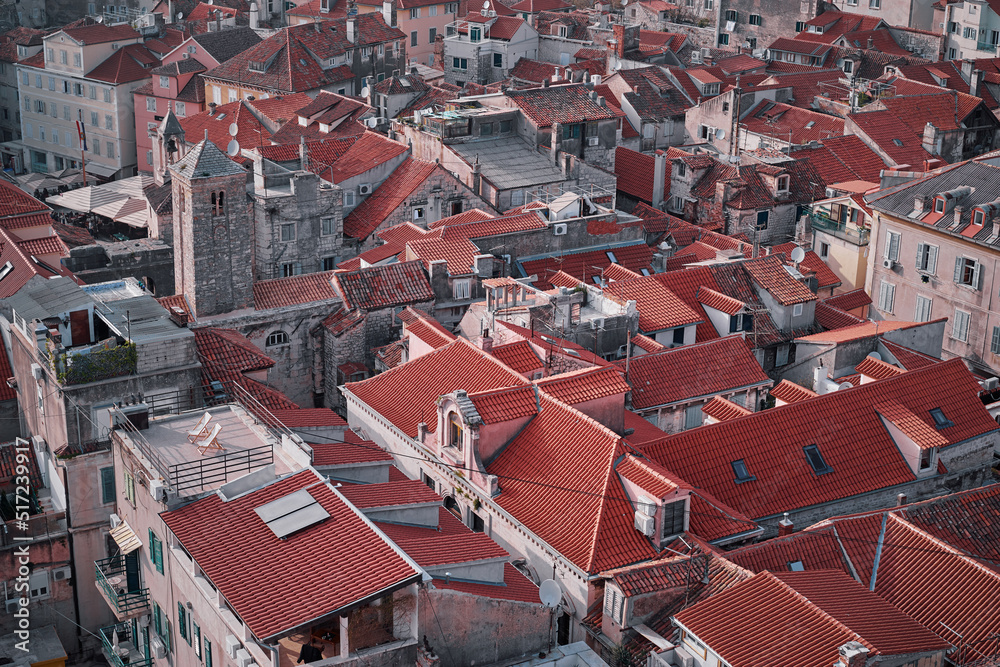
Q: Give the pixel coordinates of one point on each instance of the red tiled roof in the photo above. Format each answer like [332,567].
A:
[290,55]
[370,150]
[686,284]
[451,543]
[280,292]
[816,549]
[642,431]
[378,287]
[45,245]
[217,126]
[769,273]
[849,300]
[586,384]
[725,304]
[723,410]
[659,308]
[789,123]
[129,63]
[230,349]
[7,393]
[829,317]
[968,521]
[342,320]
[693,371]
[789,392]
[856,331]
[812,263]
[494,226]
[649,476]
[516,587]
[353,450]
[390,494]
[892,137]
[472,215]
[458,253]
[458,365]
[646,343]
[503,27]
[374,210]
[14,203]
[595,530]
[501,405]
[309,418]
[586,264]
[100,33]
[535,6]
[842,159]
[635,174]
[426,328]
[520,356]
[877,369]
[559,104]
[343,558]
[907,358]
[861,454]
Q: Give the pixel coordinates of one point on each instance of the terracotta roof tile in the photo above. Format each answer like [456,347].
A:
[635,173]
[907,358]
[345,560]
[559,104]
[458,365]
[390,494]
[694,371]
[849,300]
[723,410]
[587,384]
[659,308]
[812,263]
[374,210]
[877,369]
[789,392]
[829,317]
[865,329]
[587,264]
[516,587]
[770,274]
[520,356]
[860,453]
[500,405]
[725,304]
[383,286]
[293,290]
[352,451]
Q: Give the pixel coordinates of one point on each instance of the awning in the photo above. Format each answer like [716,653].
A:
[125,538]
[101,170]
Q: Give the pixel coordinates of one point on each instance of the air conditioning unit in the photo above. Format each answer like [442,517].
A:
[645,506]
[61,574]
[593,141]
[696,57]
[888,263]
[185,56]
[158,649]
[243,658]
[143,621]
[12,605]
[559,229]
[598,322]
[36,371]
[232,645]
[990,384]
[645,524]
[158,490]
[115,521]
[365,189]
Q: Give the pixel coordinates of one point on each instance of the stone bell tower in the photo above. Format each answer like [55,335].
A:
[168,146]
[213,238]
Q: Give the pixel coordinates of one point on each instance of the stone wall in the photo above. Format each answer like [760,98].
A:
[149,261]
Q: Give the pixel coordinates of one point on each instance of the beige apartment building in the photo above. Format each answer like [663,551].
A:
[83,74]
[935,252]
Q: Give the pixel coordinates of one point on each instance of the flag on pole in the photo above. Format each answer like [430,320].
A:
[81,130]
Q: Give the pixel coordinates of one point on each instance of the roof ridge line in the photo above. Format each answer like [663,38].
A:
[823,613]
[906,523]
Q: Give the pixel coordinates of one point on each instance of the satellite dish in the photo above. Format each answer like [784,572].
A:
[798,254]
[720,133]
[234,129]
[233,149]
[100,19]
[624,3]
[875,355]
[549,593]
[844,385]
[486,5]
[180,15]
[365,91]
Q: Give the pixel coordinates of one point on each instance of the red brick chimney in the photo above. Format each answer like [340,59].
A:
[852,654]
[785,527]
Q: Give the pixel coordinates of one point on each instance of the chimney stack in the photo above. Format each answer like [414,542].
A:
[785,527]
[996,226]
[920,203]
[852,654]
[900,499]
[486,342]
[976,82]
[871,44]
[958,213]
[254,16]
[352,27]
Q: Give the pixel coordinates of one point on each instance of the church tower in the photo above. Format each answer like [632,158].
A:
[213,244]
[168,146]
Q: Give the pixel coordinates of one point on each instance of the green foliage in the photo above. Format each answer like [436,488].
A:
[98,365]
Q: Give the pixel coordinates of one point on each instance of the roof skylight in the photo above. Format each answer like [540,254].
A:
[815,459]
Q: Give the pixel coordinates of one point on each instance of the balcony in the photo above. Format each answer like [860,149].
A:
[121,648]
[855,235]
[986,46]
[112,581]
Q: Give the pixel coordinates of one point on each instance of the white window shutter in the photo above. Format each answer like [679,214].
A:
[920,255]
[958,269]
[995,344]
[975,275]
[932,252]
[894,246]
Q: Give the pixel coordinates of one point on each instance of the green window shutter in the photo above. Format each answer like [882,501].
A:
[208,652]
[196,634]
[107,485]
[168,638]
[181,621]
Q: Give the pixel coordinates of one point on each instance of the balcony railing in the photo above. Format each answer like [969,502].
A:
[112,582]
[37,528]
[120,647]
[986,46]
[856,235]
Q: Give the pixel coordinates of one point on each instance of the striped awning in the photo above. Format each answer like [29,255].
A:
[125,538]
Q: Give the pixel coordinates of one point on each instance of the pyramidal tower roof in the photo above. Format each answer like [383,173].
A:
[206,161]
[170,125]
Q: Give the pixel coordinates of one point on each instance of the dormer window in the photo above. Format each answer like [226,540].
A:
[796,566]
[454,431]
[940,420]
[926,459]
[939,204]
[324,6]
[815,459]
[673,519]
[978,217]
[848,67]
[257,66]
[783,183]
[741,472]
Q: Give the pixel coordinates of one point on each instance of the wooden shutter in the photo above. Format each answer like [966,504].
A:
[995,344]
[932,253]
[958,269]
[107,485]
[976,276]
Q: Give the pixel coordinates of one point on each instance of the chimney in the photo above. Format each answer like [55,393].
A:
[388,14]
[477,177]
[996,226]
[852,654]
[486,342]
[976,82]
[820,375]
[920,203]
[659,176]
[352,25]
[170,11]
[254,16]
[545,83]
[967,67]
[871,44]
[555,75]
[601,101]
[785,527]
[958,213]
[900,499]
[555,142]
[303,153]
[211,108]
[930,139]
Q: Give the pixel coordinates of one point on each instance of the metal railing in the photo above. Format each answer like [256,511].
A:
[35,528]
[125,603]
[196,475]
[120,647]
[857,235]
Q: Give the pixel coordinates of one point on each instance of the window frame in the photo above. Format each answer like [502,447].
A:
[276,338]
[740,466]
[107,476]
[817,463]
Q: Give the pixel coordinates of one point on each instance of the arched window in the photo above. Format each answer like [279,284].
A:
[221,210]
[454,431]
[451,505]
[214,204]
[276,338]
